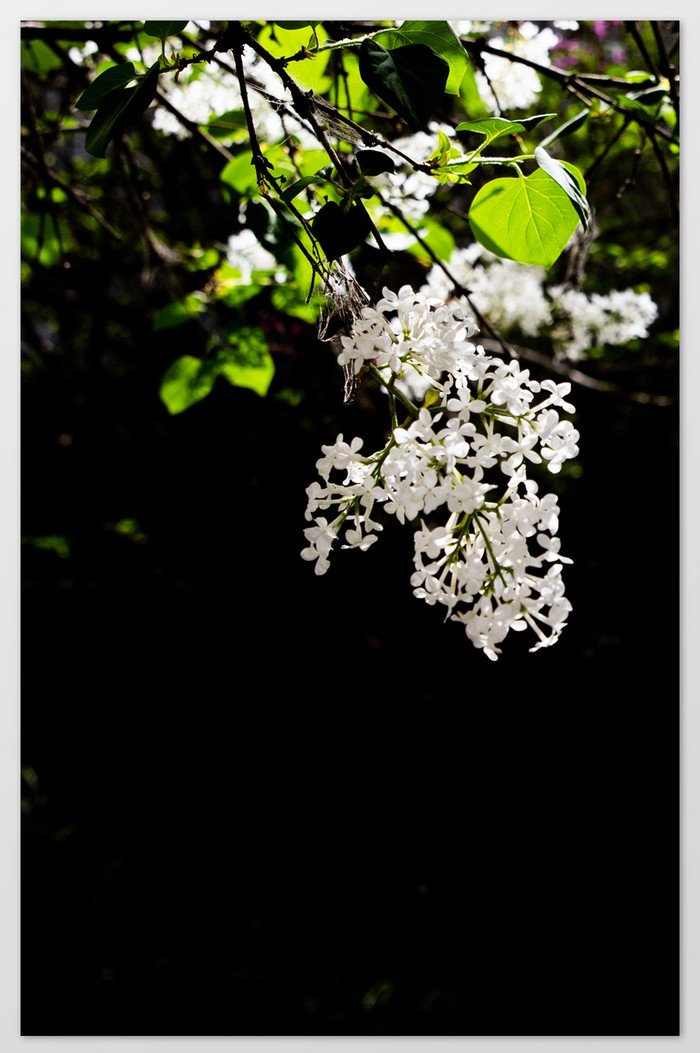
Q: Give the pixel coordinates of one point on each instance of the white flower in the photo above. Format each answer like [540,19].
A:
[494,562]
[514,85]
[514,296]
[509,294]
[602,318]
[320,538]
[340,455]
[246,254]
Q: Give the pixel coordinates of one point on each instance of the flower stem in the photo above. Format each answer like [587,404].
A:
[394,392]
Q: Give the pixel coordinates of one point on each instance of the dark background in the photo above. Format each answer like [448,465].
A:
[259,802]
[270,803]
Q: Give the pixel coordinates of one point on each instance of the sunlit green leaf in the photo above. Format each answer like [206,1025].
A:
[44,238]
[187,381]
[297,25]
[283,43]
[246,362]
[39,57]
[566,180]
[437,238]
[241,174]
[229,125]
[493,128]
[528,219]
[290,300]
[296,188]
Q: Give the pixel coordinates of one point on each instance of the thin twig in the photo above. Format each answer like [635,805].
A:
[575,82]
[80,197]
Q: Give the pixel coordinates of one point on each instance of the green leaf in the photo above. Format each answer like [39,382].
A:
[572,125]
[470,100]
[567,181]
[436,237]
[528,219]
[529,123]
[493,128]
[117,108]
[644,113]
[163,30]
[228,125]
[241,174]
[178,313]
[339,232]
[411,79]
[297,25]
[44,238]
[187,381]
[292,301]
[441,38]
[296,188]
[39,57]
[650,96]
[115,77]
[455,173]
[246,361]
[282,43]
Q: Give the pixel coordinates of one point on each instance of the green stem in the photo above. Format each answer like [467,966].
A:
[497,569]
[411,408]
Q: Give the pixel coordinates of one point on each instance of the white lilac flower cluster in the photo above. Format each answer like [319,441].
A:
[508,293]
[600,319]
[513,85]
[485,544]
[409,189]
[198,93]
[515,296]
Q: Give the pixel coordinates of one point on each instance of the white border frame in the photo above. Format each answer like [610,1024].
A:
[10,1042]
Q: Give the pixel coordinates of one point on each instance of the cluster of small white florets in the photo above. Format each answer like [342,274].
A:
[199,93]
[485,544]
[513,85]
[515,296]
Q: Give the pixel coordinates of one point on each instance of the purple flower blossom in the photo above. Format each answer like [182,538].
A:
[600,28]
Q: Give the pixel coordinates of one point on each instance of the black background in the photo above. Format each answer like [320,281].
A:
[271,803]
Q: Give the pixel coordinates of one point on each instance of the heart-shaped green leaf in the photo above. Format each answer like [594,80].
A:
[338,231]
[528,219]
[411,79]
